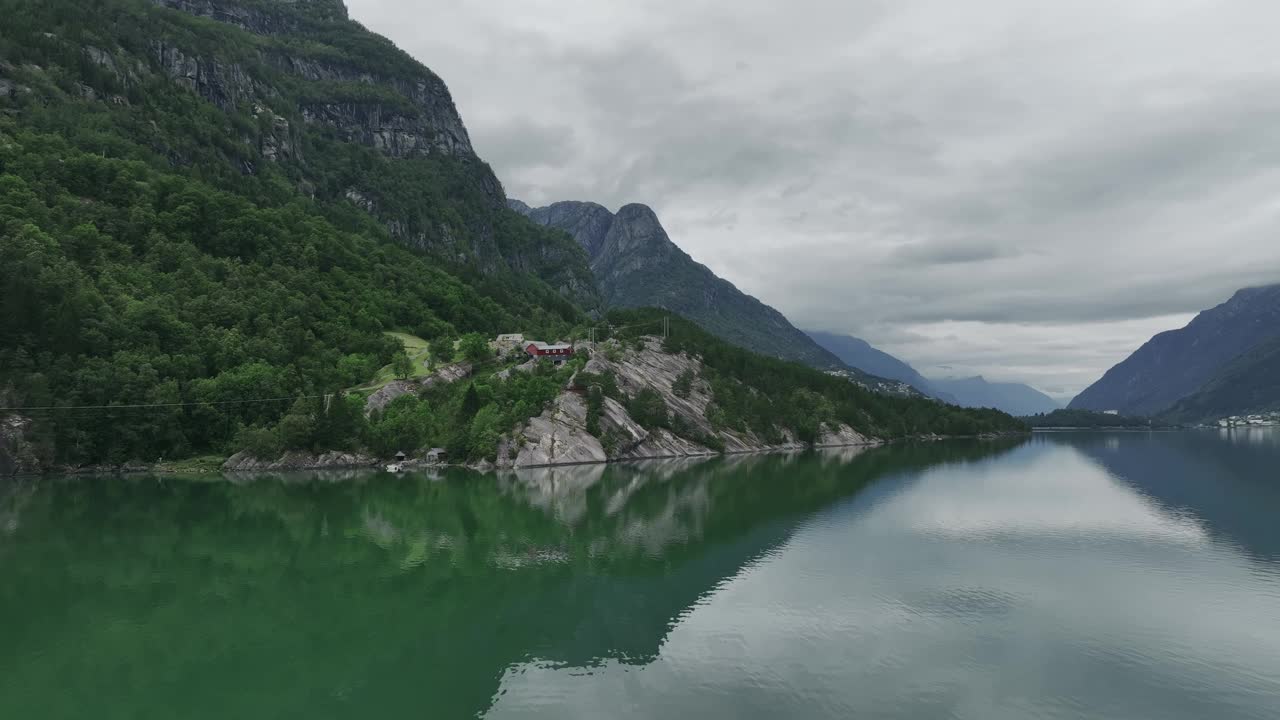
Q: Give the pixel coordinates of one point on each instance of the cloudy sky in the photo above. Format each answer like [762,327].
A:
[1022,189]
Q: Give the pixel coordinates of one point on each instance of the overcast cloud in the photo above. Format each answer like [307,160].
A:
[1026,190]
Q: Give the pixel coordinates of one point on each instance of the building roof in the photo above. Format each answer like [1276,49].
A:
[551,346]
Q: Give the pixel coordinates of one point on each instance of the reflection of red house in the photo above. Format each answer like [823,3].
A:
[556,352]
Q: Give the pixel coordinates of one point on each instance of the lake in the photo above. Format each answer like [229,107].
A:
[1065,575]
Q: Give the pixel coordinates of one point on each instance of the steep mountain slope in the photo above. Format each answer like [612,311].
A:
[1174,364]
[1014,398]
[297,100]
[1247,385]
[856,352]
[637,265]
[204,202]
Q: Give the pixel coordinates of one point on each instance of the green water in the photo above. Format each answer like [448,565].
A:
[1061,576]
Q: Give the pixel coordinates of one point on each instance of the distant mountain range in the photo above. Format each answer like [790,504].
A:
[1225,361]
[858,353]
[1013,398]
[636,264]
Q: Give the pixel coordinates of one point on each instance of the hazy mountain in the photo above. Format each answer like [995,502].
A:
[1013,398]
[1175,364]
[636,264]
[858,353]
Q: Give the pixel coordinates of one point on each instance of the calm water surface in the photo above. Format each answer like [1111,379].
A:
[1070,575]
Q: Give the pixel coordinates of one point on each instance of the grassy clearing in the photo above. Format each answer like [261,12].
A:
[419,354]
[200,464]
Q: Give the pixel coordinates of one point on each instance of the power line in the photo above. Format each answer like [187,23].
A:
[158,405]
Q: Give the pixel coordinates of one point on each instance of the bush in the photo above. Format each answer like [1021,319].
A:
[683,385]
[261,443]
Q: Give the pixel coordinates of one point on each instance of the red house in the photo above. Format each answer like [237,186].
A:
[555,352]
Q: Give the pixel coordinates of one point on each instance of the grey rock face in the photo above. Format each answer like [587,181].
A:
[434,123]
[225,85]
[637,265]
[427,122]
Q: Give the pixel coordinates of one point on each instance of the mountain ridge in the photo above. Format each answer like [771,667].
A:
[1017,399]
[1176,363]
[636,264]
[858,353]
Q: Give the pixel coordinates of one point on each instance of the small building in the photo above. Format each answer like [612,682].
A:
[400,456]
[555,352]
[506,343]
[436,455]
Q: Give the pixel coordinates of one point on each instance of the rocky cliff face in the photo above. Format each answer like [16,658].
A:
[559,436]
[406,114]
[1175,364]
[312,77]
[636,264]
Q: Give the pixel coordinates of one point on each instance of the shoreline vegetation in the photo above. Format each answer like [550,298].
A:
[215,465]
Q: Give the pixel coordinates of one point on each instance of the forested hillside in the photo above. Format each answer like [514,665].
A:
[196,211]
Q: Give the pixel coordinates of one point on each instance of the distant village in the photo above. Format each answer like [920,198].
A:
[1264,419]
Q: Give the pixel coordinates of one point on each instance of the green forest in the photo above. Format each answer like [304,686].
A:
[191,265]
[1069,418]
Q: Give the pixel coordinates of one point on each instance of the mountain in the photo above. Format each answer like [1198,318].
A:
[636,264]
[204,201]
[1175,364]
[1014,398]
[1249,384]
[858,353]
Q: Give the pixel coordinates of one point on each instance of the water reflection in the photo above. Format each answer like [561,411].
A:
[1229,481]
[1073,575]
[340,594]
[1041,583]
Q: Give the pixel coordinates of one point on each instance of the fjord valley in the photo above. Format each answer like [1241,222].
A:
[218,216]
[304,414]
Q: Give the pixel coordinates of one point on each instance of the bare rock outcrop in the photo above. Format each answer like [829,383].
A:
[559,436]
[556,437]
